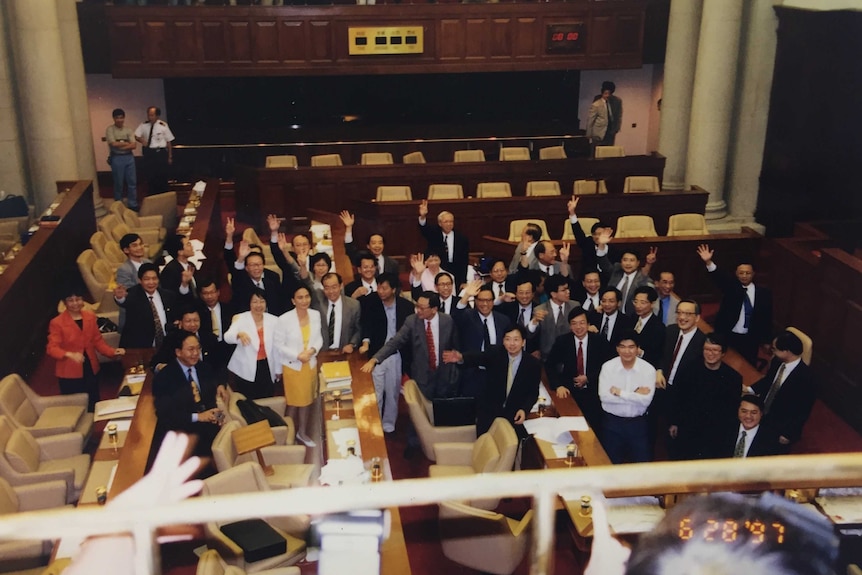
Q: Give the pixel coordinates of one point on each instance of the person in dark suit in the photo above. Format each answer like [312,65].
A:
[590,248]
[745,313]
[520,311]
[703,402]
[574,364]
[185,393]
[453,246]
[788,391]
[142,329]
[683,347]
[247,272]
[339,316]
[549,318]
[179,268]
[512,382]
[478,330]
[546,259]
[588,294]
[626,275]
[648,326]
[432,377]
[375,245]
[366,280]
[296,266]
[748,438]
[382,315]
[612,321]
[499,278]
[190,321]
[215,315]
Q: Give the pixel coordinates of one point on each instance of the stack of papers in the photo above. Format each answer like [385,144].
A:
[555,429]
[342,436]
[350,471]
[122,407]
[335,375]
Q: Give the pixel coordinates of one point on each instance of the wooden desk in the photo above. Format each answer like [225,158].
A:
[293,191]
[363,404]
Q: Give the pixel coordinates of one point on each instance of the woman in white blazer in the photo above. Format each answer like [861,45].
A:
[254,362]
[298,339]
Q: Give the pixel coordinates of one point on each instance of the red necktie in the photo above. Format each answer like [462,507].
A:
[676,351]
[432,351]
[580,358]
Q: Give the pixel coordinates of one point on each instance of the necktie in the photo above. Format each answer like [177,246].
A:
[560,318]
[610,114]
[379,265]
[739,450]
[747,308]
[773,389]
[214,319]
[604,331]
[501,289]
[442,306]
[150,138]
[661,311]
[591,306]
[521,317]
[157,324]
[195,391]
[432,350]
[640,325]
[446,247]
[676,352]
[486,337]
[581,358]
[625,291]
[510,377]
[259,284]
[331,326]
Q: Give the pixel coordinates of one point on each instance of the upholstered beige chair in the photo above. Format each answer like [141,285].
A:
[285,161]
[326,160]
[484,540]
[376,159]
[244,478]
[635,227]
[164,205]
[610,152]
[543,188]
[287,461]
[807,344]
[27,460]
[422,415]
[35,497]
[514,154]
[414,158]
[553,153]
[517,226]
[639,184]
[588,187]
[687,225]
[136,222]
[445,192]
[469,156]
[211,563]
[284,435]
[98,276]
[115,229]
[585,223]
[44,415]
[107,249]
[494,190]
[394,193]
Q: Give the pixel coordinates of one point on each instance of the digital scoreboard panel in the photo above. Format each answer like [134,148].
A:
[374,40]
[566,38]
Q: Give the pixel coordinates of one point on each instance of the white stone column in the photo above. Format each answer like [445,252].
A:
[13,173]
[757,57]
[43,96]
[713,101]
[73,58]
[682,35]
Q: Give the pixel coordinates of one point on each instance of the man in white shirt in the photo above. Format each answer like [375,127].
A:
[626,388]
[156,139]
[366,283]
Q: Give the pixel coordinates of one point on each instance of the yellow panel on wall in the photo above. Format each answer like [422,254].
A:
[373,40]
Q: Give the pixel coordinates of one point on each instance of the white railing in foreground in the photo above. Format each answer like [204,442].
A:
[543,486]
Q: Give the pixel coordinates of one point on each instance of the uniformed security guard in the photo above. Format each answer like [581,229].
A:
[155,138]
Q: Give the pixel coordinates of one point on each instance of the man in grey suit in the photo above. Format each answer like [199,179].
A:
[626,276]
[546,259]
[434,378]
[375,245]
[127,274]
[339,316]
[605,117]
[551,318]
[665,306]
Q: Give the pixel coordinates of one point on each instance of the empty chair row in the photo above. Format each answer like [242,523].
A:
[635,226]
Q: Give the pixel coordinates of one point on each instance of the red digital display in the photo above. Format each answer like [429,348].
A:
[565,38]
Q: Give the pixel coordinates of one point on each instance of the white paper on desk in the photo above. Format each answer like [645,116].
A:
[111,477]
[348,471]
[543,392]
[68,547]
[109,406]
[122,424]
[199,187]
[634,514]
[842,509]
[342,436]
[136,378]
[555,429]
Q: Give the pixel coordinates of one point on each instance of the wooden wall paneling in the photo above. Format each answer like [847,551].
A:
[628,37]
[126,44]
[601,35]
[501,38]
[320,41]
[844,271]
[292,40]
[829,320]
[186,37]
[477,38]
[450,40]
[239,41]
[214,42]
[526,38]
[265,44]
[157,47]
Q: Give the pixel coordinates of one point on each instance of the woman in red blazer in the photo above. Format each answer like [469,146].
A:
[73,339]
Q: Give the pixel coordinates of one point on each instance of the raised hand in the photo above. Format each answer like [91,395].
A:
[564,251]
[244,250]
[605,236]
[229,228]
[652,256]
[273,223]
[417,264]
[573,204]
[283,244]
[347,219]
[423,209]
[471,289]
[705,253]
[188,275]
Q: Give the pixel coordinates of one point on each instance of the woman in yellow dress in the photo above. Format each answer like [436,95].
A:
[298,339]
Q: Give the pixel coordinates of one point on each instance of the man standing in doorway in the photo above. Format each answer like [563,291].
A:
[121,157]
[606,115]
[155,138]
